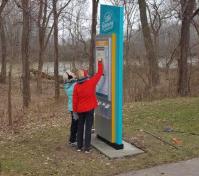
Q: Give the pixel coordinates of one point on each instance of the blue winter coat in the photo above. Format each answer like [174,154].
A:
[68,88]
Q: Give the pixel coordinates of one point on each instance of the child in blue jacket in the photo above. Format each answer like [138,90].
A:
[69,83]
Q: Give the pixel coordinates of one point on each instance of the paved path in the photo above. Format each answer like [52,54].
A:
[183,168]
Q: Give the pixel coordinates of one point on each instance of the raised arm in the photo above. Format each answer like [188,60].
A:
[99,73]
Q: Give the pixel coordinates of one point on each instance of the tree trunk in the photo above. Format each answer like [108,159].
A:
[56,51]
[40,68]
[93,36]
[25,54]
[127,43]
[156,44]
[42,20]
[41,45]
[4,52]
[187,7]
[150,51]
[9,98]
[3,43]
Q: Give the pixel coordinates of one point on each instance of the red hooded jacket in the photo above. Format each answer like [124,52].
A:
[84,95]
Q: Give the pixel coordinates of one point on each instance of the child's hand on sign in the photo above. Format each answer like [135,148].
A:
[100,60]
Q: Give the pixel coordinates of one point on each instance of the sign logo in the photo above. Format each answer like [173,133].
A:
[107,23]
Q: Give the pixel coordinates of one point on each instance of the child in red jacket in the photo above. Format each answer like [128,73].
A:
[84,103]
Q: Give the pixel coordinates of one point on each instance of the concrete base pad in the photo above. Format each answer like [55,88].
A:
[110,152]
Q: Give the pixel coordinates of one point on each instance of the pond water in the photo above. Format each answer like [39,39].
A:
[48,67]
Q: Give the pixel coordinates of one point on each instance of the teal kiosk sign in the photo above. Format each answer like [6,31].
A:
[109,47]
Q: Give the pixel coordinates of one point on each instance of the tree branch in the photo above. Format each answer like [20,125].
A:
[195,13]
[63,7]
[195,26]
[3,4]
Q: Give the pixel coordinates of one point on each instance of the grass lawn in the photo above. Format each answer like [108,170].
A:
[42,151]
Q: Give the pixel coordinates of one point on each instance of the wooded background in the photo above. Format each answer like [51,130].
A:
[161,45]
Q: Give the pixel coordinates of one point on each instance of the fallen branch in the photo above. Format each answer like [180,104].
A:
[183,132]
[159,138]
[46,76]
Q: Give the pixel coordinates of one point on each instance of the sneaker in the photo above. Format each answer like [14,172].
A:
[79,149]
[87,151]
[73,144]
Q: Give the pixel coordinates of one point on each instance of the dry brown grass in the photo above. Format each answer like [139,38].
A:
[42,108]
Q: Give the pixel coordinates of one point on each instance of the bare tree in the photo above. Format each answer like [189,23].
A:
[156,23]
[72,28]
[93,36]
[3,43]
[10,98]
[13,28]
[4,51]
[2,6]
[41,24]
[56,14]
[25,53]
[43,20]
[44,34]
[56,51]
[153,63]
[130,10]
[76,28]
[187,7]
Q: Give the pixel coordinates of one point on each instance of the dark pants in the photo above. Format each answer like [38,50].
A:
[73,129]
[85,119]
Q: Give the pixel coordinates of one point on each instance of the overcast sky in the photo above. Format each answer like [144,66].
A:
[100,2]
